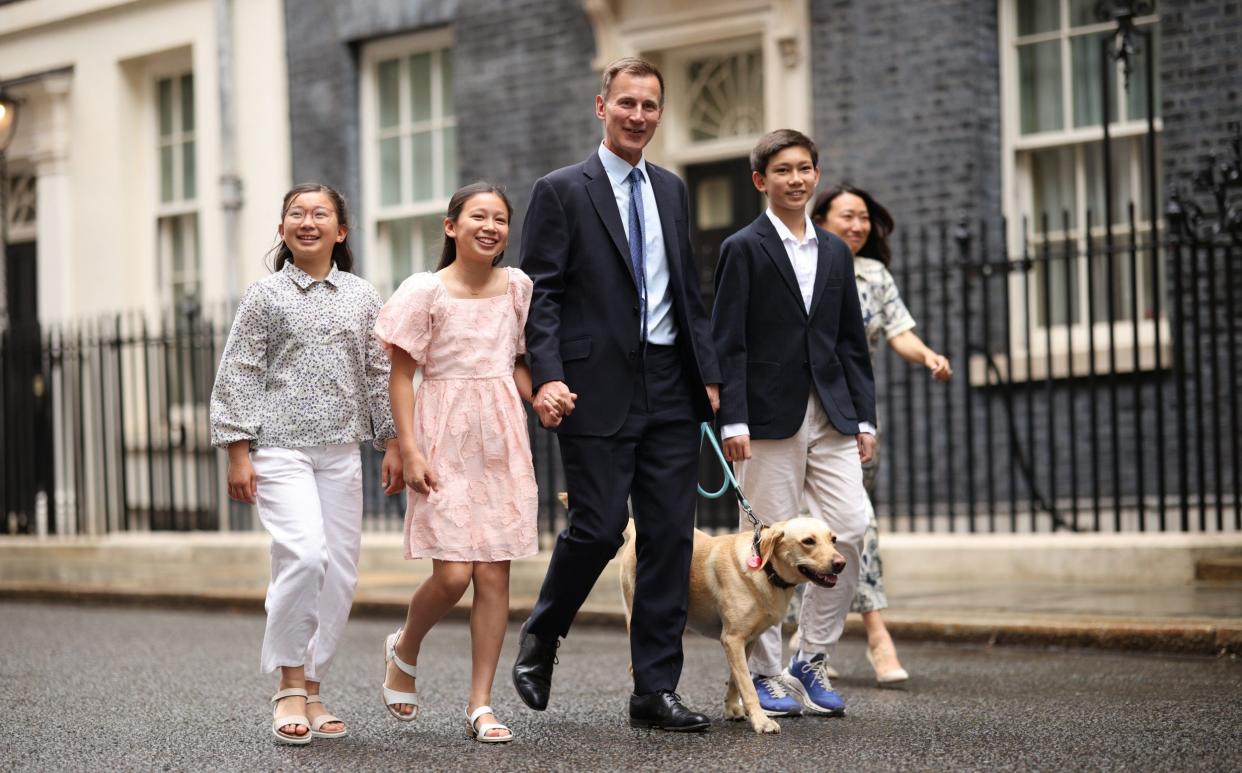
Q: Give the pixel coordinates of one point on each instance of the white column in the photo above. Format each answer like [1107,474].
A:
[54,204]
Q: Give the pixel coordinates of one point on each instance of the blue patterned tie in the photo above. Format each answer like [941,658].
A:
[637,258]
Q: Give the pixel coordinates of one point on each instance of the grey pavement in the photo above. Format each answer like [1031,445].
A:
[105,687]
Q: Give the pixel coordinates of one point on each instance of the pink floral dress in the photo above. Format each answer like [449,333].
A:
[468,420]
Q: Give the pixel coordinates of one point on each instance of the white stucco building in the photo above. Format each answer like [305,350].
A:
[151,152]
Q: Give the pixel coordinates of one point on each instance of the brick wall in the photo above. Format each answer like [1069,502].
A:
[906,104]
[525,92]
[1200,80]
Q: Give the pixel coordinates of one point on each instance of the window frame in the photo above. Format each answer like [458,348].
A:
[375,214]
[180,209]
[677,112]
[1069,343]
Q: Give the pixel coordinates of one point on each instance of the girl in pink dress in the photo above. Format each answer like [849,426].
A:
[465,449]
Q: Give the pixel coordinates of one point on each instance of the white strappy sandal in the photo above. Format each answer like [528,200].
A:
[324,719]
[479,733]
[395,697]
[291,719]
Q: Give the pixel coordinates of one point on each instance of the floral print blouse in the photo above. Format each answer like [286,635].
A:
[884,313]
[301,367]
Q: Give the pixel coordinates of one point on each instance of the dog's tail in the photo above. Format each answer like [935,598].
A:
[628,534]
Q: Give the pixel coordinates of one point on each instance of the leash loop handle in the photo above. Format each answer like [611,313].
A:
[705,431]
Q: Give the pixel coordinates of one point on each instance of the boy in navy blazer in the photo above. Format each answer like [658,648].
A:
[797,402]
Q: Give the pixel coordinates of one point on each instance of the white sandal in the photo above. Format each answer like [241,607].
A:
[324,719]
[395,697]
[480,733]
[291,719]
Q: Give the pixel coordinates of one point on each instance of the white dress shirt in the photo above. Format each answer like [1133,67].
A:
[661,325]
[804,257]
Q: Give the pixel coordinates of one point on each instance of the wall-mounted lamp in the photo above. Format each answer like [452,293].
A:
[8,120]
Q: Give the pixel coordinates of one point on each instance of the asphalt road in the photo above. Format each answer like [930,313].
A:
[98,688]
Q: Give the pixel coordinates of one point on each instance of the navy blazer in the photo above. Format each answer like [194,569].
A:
[583,326]
[772,352]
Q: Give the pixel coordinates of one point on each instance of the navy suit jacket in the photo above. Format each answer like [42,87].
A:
[772,352]
[583,326]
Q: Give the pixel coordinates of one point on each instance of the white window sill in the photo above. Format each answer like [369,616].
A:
[1072,358]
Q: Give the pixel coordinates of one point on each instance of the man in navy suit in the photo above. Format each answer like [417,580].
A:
[621,353]
[797,410]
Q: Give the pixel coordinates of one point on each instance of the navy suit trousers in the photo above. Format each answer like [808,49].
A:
[653,462]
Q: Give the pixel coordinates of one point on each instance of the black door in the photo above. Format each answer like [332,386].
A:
[27,428]
[722,201]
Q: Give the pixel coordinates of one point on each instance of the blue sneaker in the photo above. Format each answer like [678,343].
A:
[774,698]
[808,679]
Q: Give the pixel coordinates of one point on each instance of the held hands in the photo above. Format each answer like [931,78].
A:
[938,364]
[417,473]
[391,473]
[737,448]
[553,402]
[243,483]
[866,446]
[713,397]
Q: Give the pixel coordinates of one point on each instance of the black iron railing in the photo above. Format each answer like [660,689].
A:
[1095,390]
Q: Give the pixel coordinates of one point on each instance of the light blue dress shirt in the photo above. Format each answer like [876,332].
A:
[661,324]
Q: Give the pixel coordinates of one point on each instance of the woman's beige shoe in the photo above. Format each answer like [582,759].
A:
[290,719]
[891,675]
[318,722]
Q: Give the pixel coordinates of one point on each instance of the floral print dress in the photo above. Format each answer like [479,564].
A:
[884,316]
[469,421]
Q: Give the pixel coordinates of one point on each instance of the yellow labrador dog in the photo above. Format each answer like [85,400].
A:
[733,602]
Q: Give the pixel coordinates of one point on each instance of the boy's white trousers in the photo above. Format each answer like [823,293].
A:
[822,464]
[310,502]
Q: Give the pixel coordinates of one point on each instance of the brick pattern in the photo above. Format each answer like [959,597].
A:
[525,92]
[1200,80]
[906,104]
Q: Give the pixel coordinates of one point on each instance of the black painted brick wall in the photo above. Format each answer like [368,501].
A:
[906,104]
[525,93]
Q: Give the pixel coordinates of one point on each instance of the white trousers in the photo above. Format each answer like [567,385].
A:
[823,464]
[310,502]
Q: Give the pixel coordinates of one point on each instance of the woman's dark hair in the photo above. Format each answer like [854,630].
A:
[341,255]
[882,224]
[456,204]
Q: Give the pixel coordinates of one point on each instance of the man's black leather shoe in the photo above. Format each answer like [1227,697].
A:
[663,711]
[532,671]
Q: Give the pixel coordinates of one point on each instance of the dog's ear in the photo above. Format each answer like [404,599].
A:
[769,538]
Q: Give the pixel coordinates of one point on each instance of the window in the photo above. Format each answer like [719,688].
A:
[721,107]
[177,214]
[726,96]
[1054,106]
[21,200]
[409,152]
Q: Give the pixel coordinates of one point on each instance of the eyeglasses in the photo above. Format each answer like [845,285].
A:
[319,214]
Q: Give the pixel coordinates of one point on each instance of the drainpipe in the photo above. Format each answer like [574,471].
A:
[230,191]
[230,180]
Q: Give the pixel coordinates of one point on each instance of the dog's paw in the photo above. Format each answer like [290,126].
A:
[765,725]
[734,711]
